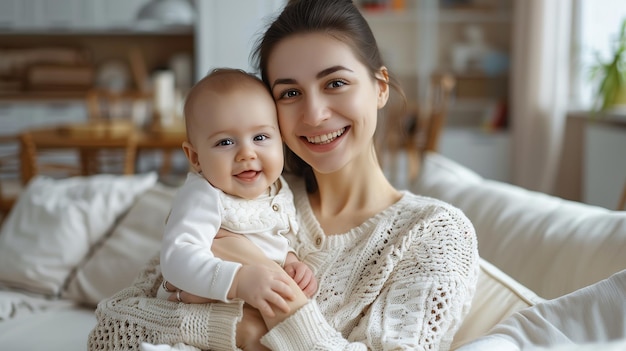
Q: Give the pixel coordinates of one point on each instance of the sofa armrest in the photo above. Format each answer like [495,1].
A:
[551,245]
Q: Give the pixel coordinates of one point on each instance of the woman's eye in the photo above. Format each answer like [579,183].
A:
[225,142]
[337,83]
[260,137]
[288,94]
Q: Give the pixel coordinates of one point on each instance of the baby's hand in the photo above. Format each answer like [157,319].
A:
[303,276]
[262,288]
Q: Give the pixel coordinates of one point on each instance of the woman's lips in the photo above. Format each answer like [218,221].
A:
[326,138]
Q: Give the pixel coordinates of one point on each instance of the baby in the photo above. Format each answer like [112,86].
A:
[235,149]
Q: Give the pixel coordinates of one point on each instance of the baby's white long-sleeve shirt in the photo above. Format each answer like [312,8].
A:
[199,210]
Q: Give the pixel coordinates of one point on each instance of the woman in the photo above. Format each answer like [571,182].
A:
[395,270]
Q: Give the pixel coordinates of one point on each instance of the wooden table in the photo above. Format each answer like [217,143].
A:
[88,138]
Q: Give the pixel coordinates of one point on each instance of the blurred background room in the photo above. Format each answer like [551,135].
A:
[515,86]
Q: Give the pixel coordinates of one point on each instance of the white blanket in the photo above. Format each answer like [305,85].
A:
[591,318]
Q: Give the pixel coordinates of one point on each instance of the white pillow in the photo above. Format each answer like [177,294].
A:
[54,224]
[115,264]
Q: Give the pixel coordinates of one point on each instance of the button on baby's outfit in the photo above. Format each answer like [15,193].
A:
[318,241]
[275,207]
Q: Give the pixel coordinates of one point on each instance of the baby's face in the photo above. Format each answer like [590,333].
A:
[237,141]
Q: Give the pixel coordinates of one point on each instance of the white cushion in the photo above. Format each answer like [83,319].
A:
[114,264]
[497,297]
[56,329]
[54,224]
[551,245]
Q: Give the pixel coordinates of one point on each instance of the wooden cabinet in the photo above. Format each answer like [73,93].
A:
[104,31]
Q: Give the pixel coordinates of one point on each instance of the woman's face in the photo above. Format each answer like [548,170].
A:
[327,100]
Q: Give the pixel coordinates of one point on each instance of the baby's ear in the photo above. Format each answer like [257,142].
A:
[192,156]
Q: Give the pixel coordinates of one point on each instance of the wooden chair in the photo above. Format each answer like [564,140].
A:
[416,129]
[44,152]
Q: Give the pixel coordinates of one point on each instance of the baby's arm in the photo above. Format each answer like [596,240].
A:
[186,257]
[260,281]
[301,274]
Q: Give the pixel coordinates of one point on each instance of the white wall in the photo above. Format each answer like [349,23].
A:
[226,31]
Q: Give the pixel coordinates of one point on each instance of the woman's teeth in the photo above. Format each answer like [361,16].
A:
[326,138]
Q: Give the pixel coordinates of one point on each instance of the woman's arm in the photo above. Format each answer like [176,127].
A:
[133,315]
[414,299]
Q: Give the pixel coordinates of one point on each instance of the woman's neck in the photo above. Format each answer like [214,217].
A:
[349,197]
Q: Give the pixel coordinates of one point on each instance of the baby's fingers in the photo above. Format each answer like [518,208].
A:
[310,288]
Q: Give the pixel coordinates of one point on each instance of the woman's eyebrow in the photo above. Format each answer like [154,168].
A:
[321,74]
[331,70]
[283,81]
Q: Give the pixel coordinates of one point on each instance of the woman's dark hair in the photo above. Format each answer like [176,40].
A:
[338,18]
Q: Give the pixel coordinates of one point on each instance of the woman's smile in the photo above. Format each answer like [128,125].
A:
[326,138]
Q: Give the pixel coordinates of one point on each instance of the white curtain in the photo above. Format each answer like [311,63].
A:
[539,90]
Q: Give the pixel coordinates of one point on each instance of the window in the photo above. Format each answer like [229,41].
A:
[596,26]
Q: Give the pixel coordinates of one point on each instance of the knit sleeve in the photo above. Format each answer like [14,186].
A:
[419,293]
[134,315]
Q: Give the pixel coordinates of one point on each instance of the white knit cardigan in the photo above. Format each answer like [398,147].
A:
[402,280]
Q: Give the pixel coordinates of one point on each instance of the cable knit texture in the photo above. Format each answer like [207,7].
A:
[402,280]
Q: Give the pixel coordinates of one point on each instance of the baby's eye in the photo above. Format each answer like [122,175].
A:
[260,137]
[338,83]
[225,142]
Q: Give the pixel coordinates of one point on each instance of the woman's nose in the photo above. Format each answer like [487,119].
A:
[315,110]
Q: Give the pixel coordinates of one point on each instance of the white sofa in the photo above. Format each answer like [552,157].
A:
[70,243]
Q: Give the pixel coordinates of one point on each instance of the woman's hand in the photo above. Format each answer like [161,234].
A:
[182,296]
[250,330]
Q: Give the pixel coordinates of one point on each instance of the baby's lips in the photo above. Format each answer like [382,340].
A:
[247,174]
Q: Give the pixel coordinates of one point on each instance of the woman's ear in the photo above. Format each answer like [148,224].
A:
[192,156]
[382,78]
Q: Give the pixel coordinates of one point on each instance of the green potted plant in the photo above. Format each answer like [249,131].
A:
[612,76]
